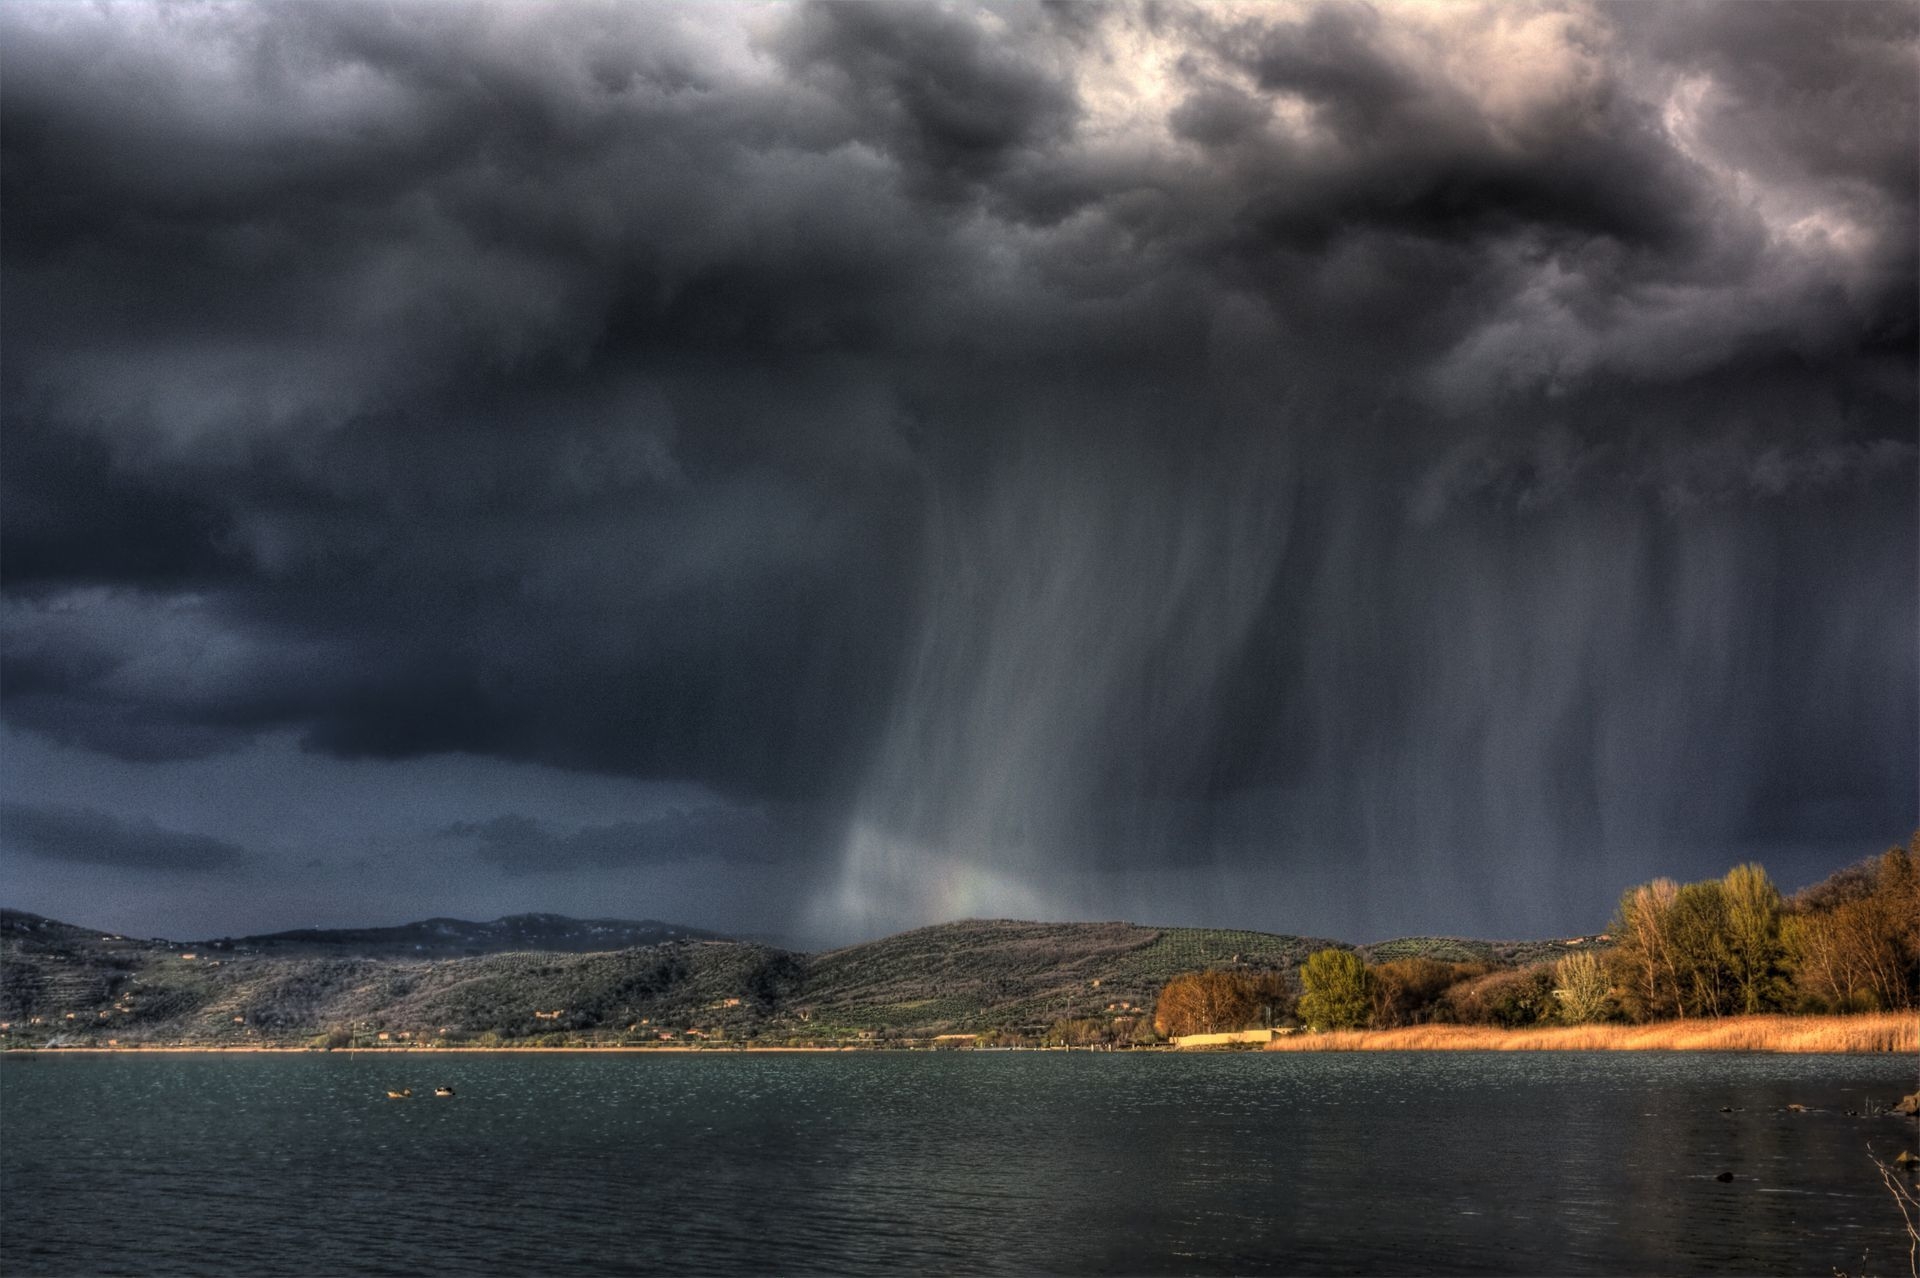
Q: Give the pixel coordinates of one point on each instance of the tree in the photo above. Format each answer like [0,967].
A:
[1510,998]
[1336,986]
[1753,938]
[1700,957]
[1197,1003]
[1643,953]
[1407,991]
[1854,940]
[1581,988]
[1219,1002]
[1081,1032]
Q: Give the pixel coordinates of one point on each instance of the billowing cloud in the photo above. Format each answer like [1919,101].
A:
[90,837]
[1041,441]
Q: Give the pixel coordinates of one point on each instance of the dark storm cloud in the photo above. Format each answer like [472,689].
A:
[1062,425]
[90,837]
[432,382]
[951,101]
[520,845]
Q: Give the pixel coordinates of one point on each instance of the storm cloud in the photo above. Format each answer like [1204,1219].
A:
[1350,457]
[85,836]
[520,845]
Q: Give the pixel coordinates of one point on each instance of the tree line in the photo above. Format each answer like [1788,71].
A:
[1719,947]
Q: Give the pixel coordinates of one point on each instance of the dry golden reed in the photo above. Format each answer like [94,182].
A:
[1877,1032]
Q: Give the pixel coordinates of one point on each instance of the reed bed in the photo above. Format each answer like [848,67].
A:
[1876,1032]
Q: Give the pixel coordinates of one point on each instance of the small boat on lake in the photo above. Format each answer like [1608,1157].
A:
[402,1094]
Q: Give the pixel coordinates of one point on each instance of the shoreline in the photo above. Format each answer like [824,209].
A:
[267,1050]
[1871,1033]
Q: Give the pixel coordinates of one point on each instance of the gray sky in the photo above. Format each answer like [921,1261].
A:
[819,469]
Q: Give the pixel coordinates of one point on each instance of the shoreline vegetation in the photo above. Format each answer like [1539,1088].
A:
[1865,1032]
[1727,964]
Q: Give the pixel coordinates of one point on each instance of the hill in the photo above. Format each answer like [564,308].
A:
[1455,949]
[981,974]
[549,933]
[546,978]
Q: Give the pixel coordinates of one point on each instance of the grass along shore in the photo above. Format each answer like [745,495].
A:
[1872,1032]
[1867,1032]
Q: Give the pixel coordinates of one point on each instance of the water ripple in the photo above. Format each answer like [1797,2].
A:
[942,1163]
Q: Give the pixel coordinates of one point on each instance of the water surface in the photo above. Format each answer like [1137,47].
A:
[948,1162]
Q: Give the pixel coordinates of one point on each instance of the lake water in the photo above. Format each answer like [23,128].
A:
[948,1163]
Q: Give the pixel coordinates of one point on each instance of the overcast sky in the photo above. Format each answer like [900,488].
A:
[815,470]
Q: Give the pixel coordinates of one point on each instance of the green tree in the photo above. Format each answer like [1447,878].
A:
[1336,988]
[1701,957]
[1754,945]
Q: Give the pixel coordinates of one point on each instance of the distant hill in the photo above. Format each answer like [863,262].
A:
[548,933]
[977,973]
[533,977]
[1454,949]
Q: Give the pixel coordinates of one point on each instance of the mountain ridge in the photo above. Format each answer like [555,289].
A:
[542,932]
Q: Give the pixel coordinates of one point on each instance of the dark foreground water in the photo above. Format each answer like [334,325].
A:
[944,1163]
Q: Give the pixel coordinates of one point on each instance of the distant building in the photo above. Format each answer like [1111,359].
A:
[1225,1040]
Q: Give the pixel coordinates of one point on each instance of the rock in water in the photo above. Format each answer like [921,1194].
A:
[1908,1104]
[1724,1177]
[1906,1159]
